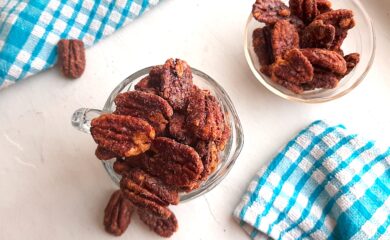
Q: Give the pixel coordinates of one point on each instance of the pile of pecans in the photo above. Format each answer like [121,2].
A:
[166,137]
[300,46]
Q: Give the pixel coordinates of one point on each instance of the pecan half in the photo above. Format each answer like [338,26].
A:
[117,214]
[104,154]
[262,44]
[71,57]
[284,38]
[176,83]
[152,108]
[326,59]
[270,11]
[294,68]
[352,60]
[318,35]
[123,135]
[304,9]
[205,116]
[321,79]
[152,82]
[161,226]
[176,164]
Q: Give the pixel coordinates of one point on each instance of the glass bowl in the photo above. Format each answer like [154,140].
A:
[361,39]
[81,120]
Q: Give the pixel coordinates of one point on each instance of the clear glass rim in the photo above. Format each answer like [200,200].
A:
[232,154]
[261,79]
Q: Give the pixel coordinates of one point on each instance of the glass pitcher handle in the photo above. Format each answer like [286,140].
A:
[81,118]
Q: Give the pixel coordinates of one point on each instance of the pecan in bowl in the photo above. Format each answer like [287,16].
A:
[338,43]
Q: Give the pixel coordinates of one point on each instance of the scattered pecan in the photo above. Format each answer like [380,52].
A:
[71,57]
[318,35]
[326,59]
[324,6]
[152,108]
[179,130]
[321,79]
[208,152]
[270,11]
[161,226]
[117,214]
[123,135]
[352,60]
[205,116]
[294,68]
[262,44]
[104,154]
[176,83]
[304,9]
[284,38]
[176,164]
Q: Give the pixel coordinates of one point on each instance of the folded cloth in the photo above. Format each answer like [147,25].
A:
[325,184]
[30,30]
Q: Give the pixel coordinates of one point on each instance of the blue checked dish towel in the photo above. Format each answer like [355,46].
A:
[30,30]
[324,184]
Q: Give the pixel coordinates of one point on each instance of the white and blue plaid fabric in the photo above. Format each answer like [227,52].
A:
[30,29]
[325,184]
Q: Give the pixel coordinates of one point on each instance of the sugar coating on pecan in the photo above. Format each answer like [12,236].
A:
[270,11]
[326,59]
[176,83]
[318,35]
[117,214]
[304,9]
[209,154]
[352,60]
[178,129]
[294,68]
[284,37]
[123,135]
[104,154]
[71,57]
[150,107]
[175,164]
[161,226]
[205,116]
[153,185]
[262,45]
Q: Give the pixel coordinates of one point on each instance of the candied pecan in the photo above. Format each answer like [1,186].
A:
[176,83]
[205,116]
[122,166]
[161,226]
[208,152]
[123,135]
[294,68]
[153,185]
[146,85]
[326,59]
[152,108]
[284,38]
[267,70]
[297,89]
[262,45]
[179,130]
[321,79]
[117,214]
[324,6]
[104,154]
[342,20]
[352,60]
[304,9]
[318,35]
[71,57]
[176,164]
[222,141]
[270,11]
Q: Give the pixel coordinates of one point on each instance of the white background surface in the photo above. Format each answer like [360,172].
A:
[52,186]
